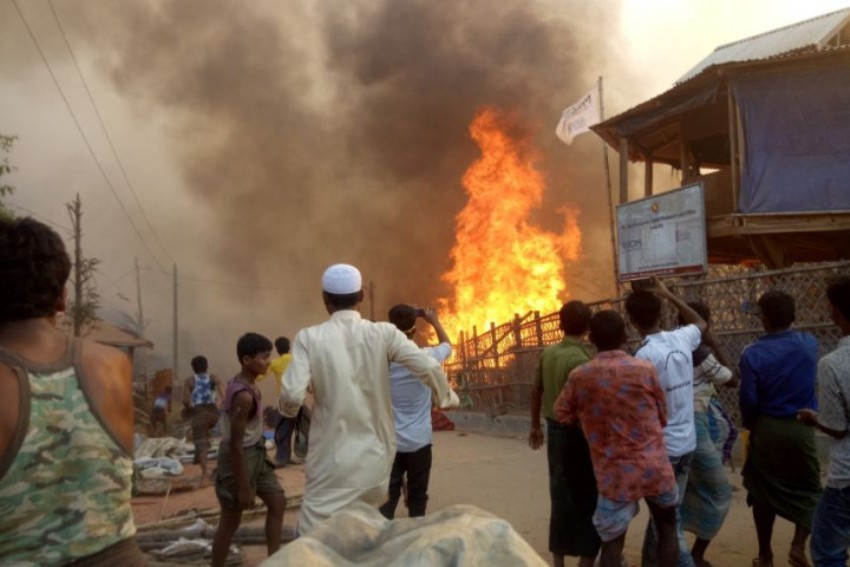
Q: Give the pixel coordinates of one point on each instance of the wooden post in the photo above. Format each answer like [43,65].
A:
[76,213]
[539,328]
[141,323]
[733,146]
[493,344]
[685,160]
[624,171]
[475,344]
[176,350]
[647,177]
[517,331]
[462,345]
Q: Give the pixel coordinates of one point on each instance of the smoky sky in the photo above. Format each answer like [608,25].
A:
[319,132]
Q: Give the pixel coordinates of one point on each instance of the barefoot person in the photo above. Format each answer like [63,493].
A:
[243,468]
[66,419]
[708,493]
[572,484]
[619,403]
[782,474]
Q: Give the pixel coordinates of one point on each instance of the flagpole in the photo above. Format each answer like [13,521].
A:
[610,200]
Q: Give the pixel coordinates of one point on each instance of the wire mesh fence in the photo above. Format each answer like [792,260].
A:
[493,369]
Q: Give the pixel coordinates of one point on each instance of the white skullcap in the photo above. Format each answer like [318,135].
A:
[342,279]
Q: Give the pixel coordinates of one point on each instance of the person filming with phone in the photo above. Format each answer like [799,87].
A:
[412,416]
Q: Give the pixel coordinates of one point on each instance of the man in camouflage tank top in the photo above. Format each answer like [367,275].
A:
[66,419]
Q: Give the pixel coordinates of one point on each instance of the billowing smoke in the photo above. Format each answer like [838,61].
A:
[316,132]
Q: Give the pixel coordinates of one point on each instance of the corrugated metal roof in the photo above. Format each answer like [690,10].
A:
[810,34]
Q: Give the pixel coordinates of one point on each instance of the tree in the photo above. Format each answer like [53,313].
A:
[6,144]
[83,308]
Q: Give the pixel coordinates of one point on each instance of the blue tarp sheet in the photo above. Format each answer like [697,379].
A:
[797,141]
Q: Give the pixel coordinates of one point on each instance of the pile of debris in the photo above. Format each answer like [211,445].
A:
[186,539]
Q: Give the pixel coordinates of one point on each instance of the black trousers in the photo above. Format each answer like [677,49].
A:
[417,466]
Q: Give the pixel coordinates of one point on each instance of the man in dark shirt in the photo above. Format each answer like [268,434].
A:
[781,475]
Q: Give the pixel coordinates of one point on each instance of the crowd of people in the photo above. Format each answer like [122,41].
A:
[655,430]
[622,425]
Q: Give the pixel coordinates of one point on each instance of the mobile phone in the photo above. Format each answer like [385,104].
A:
[420,312]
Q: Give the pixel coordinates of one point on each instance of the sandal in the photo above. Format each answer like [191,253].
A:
[759,562]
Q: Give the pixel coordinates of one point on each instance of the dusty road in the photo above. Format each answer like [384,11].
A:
[503,476]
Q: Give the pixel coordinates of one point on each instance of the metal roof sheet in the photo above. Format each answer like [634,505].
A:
[810,34]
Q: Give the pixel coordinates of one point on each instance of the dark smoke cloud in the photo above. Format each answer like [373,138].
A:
[337,131]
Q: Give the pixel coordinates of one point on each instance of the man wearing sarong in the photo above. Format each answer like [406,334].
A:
[572,484]
[831,524]
[345,361]
[708,493]
[781,475]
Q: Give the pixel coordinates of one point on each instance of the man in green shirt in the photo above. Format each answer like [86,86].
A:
[572,484]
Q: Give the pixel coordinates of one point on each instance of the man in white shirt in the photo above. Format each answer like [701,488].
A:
[671,352]
[344,362]
[412,413]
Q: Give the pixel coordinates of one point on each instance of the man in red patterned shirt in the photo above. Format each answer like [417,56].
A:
[620,405]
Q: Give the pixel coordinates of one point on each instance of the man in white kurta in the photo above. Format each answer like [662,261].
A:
[345,362]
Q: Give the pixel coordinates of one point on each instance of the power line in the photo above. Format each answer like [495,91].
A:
[226,284]
[105,132]
[114,282]
[83,135]
[42,217]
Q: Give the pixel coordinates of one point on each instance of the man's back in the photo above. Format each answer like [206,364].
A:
[778,374]
[411,400]
[671,353]
[619,402]
[556,363]
[352,438]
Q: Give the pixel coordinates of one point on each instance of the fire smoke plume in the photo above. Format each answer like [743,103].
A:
[319,132]
[502,264]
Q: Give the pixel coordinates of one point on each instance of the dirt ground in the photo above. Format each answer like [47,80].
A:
[503,476]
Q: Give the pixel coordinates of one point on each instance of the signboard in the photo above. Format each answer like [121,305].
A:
[663,234]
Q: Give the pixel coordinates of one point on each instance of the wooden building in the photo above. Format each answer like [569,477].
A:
[764,123]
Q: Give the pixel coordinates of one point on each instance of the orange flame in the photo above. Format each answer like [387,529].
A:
[502,265]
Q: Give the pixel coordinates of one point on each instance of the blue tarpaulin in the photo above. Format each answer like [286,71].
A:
[797,140]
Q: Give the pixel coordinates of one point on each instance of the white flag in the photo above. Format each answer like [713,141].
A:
[578,118]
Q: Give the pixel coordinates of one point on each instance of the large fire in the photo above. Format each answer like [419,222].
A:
[502,265]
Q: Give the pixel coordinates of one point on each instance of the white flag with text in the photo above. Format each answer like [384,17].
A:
[578,118]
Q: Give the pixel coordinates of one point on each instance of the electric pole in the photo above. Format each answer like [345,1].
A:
[141,324]
[141,314]
[371,293]
[174,375]
[75,210]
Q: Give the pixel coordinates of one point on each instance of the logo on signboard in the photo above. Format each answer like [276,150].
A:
[630,245]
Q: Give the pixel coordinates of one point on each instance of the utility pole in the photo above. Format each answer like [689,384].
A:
[76,212]
[141,314]
[141,324]
[371,293]
[174,371]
